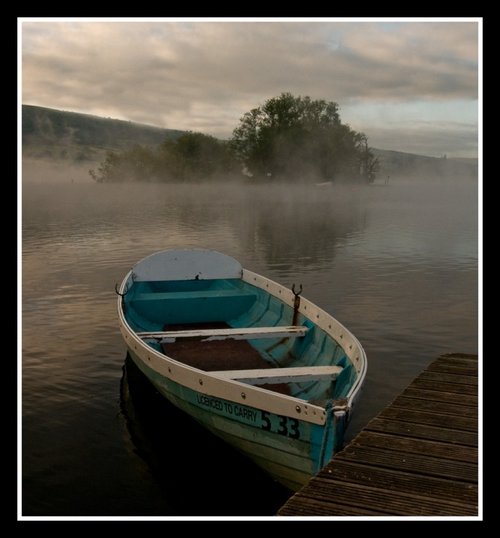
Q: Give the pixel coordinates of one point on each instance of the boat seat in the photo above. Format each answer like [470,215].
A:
[193,306]
[280,375]
[207,335]
[184,295]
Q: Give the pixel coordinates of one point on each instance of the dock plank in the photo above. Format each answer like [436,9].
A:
[412,462]
[422,431]
[323,507]
[436,385]
[401,481]
[441,377]
[431,418]
[418,457]
[440,396]
[409,445]
[464,369]
[456,359]
[388,502]
[461,409]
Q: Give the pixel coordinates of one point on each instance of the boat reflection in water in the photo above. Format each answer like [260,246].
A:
[197,473]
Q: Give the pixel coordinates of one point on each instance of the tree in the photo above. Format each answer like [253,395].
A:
[195,156]
[368,163]
[134,164]
[191,157]
[300,138]
[292,138]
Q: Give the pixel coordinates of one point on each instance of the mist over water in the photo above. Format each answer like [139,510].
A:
[396,264]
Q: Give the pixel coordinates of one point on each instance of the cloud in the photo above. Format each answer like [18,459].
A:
[425,138]
[205,75]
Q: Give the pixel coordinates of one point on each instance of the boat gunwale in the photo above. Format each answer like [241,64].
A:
[249,395]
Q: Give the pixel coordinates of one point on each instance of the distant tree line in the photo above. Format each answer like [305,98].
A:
[191,157]
[291,138]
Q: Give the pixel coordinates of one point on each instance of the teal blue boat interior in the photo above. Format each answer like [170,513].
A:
[150,306]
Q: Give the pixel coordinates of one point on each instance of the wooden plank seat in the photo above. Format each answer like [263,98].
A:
[280,375]
[207,335]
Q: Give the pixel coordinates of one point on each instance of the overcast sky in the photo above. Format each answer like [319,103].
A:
[410,86]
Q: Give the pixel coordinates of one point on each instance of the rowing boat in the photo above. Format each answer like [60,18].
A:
[251,360]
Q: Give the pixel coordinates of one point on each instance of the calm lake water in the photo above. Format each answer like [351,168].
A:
[396,264]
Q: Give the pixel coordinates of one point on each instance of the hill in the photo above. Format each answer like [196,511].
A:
[396,164]
[55,134]
[61,145]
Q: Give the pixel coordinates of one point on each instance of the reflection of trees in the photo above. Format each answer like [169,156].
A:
[279,223]
[197,472]
[300,223]
[282,223]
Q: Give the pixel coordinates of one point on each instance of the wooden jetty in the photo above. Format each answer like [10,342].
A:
[418,457]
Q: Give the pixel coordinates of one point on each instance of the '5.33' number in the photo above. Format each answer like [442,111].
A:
[289,427]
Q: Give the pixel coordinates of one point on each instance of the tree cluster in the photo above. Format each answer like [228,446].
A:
[288,138]
[191,157]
